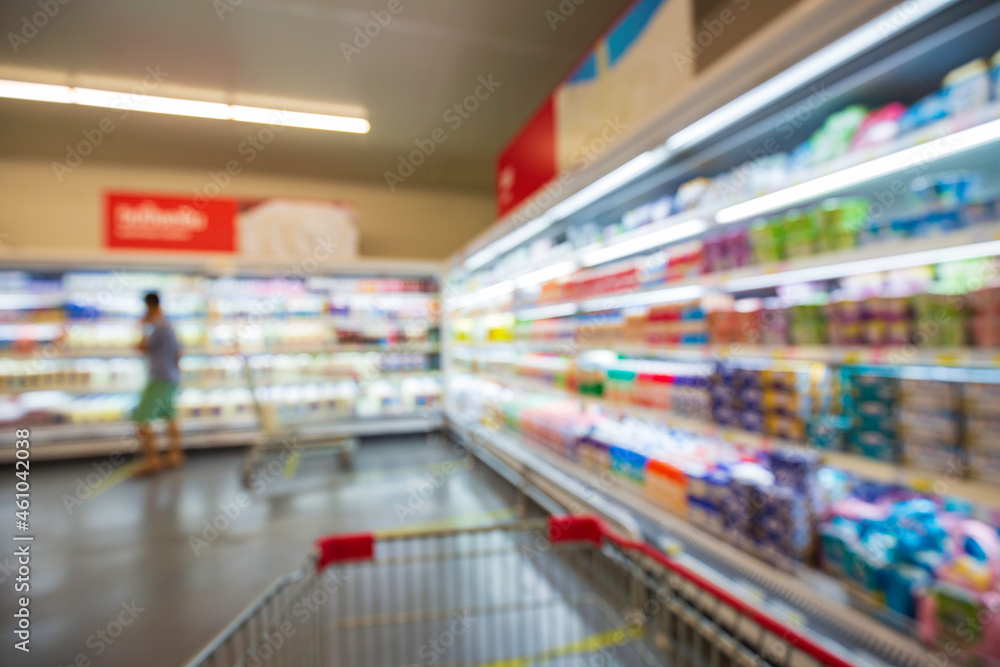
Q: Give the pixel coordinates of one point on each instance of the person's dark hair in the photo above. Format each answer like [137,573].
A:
[152,300]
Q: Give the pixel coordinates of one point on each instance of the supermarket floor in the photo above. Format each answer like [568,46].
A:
[129,552]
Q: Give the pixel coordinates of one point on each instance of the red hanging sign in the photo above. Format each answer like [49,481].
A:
[156,222]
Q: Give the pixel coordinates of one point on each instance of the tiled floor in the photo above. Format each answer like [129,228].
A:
[140,553]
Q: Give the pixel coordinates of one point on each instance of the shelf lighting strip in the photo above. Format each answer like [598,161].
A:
[562,310]
[43,92]
[648,241]
[859,267]
[952,144]
[672,295]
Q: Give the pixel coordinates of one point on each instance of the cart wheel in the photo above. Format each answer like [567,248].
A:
[345,460]
[245,477]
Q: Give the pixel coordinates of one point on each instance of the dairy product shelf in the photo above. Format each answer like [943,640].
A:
[959,357]
[51,442]
[920,480]
[801,597]
[227,383]
[982,241]
[55,352]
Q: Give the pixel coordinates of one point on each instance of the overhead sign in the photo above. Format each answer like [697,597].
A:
[622,83]
[255,228]
[157,222]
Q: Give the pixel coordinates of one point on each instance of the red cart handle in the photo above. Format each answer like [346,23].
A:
[592,530]
[344,548]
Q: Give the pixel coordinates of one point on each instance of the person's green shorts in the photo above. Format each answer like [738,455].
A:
[156,402]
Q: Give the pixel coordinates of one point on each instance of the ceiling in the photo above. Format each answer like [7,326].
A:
[428,58]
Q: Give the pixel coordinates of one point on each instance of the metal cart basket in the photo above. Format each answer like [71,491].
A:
[557,591]
[282,445]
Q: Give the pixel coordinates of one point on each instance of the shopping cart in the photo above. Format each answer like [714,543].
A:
[282,446]
[556,591]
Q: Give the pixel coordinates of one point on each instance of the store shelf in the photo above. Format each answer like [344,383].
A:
[804,598]
[56,442]
[864,259]
[920,480]
[228,383]
[986,358]
[314,348]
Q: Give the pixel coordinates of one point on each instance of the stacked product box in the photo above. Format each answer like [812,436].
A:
[736,398]
[676,324]
[982,430]
[707,489]
[985,317]
[930,421]
[786,400]
[773,402]
[871,410]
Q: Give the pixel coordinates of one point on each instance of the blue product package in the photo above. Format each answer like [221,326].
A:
[902,584]
[909,226]
[836,538]
[937,222]
[717,483]
[932,108]
[628,464]
[795,469]
[751,420]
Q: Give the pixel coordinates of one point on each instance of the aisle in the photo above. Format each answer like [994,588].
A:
[129,555]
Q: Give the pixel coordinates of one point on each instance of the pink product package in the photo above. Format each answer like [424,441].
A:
[962,607]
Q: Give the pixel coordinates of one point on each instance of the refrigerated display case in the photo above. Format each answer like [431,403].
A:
[788,305]
[346,353]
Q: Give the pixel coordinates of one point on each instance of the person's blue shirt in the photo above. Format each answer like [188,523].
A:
[163,351]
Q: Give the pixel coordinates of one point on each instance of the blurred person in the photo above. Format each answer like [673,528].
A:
[163,354]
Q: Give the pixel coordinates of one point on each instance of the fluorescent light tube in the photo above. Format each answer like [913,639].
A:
[648,241]
[562,310]
[165,105]
[876,265]
[809,69]
[36,92]
[826,185]
[672,295]
[39,92]
[545,275]
[312,121]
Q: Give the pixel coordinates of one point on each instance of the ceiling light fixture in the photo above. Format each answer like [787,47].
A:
[646,241]
[931,151]
[40,92]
